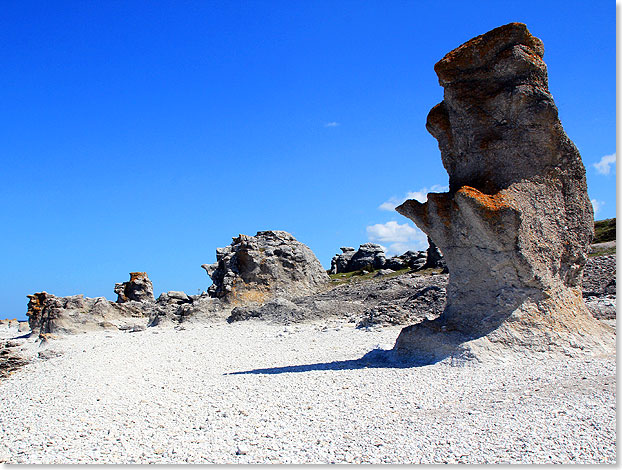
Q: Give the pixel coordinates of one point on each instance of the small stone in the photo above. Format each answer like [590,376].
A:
[242,450]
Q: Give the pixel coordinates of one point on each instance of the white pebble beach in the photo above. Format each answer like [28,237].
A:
[253,392]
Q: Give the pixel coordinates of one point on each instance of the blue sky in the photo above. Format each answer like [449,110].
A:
[141,136]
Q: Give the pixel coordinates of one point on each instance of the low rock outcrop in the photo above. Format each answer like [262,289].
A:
[516,224]
[48,313]
[415,299]
[77,314]
[277,310]
[178,307]
[271,264]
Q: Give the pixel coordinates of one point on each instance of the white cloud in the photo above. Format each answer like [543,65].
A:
[604,165]
[421,196]
[399,237]
[597,205]
[331,124]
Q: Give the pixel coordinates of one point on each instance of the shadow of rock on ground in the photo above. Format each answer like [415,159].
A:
[374,359]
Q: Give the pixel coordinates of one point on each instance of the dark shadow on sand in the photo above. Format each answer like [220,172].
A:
[376,358]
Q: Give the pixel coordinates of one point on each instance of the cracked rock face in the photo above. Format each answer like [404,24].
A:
[516,224]
[253,270]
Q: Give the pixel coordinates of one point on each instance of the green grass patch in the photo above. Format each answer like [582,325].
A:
[344,278]
[606,251]
[358,276]
[604,230]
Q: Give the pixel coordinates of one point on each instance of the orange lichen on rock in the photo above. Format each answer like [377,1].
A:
[137,275]
[482,49]
[36,303]
[491,204]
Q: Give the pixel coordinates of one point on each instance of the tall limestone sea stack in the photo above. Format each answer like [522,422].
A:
[516,225]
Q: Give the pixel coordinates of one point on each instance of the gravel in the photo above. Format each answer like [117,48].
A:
[254,392]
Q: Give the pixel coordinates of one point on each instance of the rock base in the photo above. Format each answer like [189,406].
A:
[558,324]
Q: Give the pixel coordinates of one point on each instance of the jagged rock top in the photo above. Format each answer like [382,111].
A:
[485,51]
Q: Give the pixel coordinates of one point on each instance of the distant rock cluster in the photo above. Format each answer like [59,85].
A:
[134,310]
[371,257]
[250,272]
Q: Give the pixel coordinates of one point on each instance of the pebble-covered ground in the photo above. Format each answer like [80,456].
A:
[254,392]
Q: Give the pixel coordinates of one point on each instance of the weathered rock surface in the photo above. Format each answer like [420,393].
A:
[48,313]
[516,224]
[77,314]
[277,310]
[139,289]
[411,299]
[254,270]
[400,300]
[599,276]
[178,307]
[11,358]
[414,260]
[599,286]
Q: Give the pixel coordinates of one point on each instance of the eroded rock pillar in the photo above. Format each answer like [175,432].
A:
[517,222]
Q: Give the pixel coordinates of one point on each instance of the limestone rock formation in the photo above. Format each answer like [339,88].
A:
[423,297]
[414,260]
[48,313]
[278,310]
[516,224]
[253,270]
[139,288]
